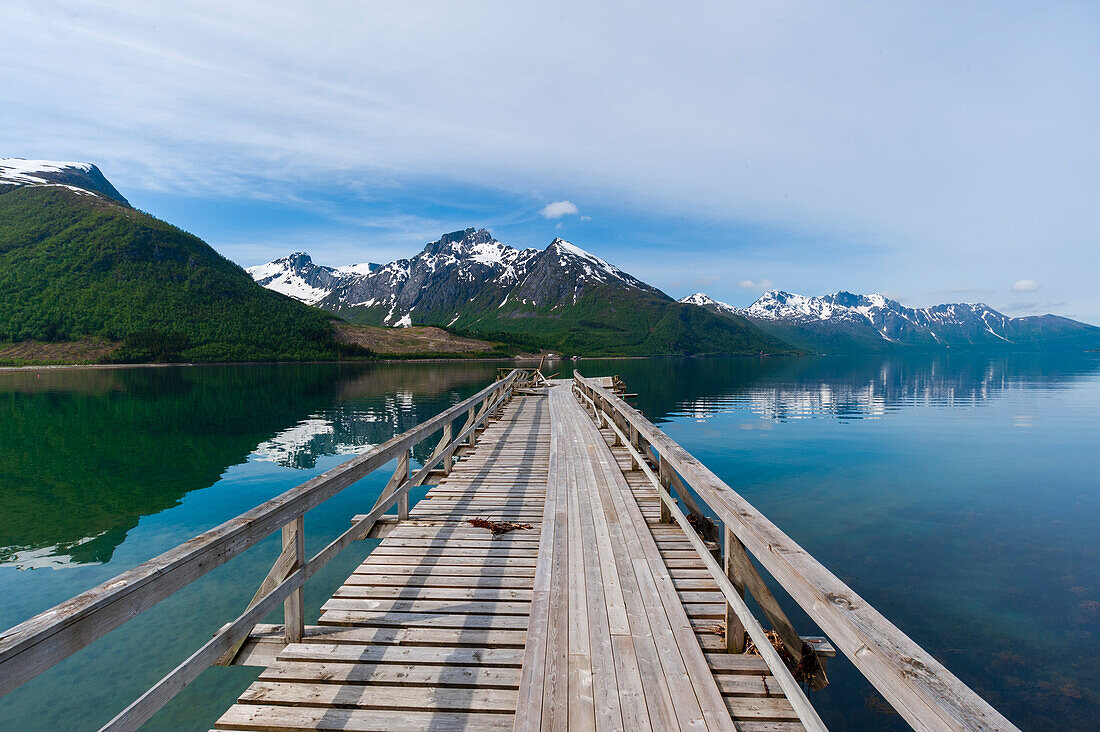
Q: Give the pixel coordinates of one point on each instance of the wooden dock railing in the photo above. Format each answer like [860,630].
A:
[919,688]
[39,643]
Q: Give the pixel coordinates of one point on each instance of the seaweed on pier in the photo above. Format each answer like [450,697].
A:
[497,527]
[810,670]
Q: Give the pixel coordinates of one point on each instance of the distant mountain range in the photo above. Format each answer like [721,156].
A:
[561,297]
[845,322]
[79,265]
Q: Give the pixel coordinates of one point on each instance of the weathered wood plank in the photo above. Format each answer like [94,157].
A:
[274,717]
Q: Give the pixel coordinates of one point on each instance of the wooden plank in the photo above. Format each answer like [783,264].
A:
[350,589]
[375,696]
[532,683]
[404,654]
[274,717]
[582,712]
[467,607]
[555,713]
[690,681]
[395,674]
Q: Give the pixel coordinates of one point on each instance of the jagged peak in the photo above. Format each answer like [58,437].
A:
[458,239]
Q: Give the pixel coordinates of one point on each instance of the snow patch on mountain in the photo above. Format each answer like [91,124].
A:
[704,300]
[82,178]
[17,171]
[299,277]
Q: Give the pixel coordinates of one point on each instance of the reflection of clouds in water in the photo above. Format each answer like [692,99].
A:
[46,557]
[887,388]
[1023,421]
[779,403]
[300,446]
[342,433]
[292,441]
[782,403]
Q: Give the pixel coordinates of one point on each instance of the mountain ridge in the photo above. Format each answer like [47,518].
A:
[561,297]
[845,321]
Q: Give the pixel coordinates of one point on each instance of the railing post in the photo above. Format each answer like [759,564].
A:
[748,577]
[472,438]
[448,449]
[634,441]
[735,629]
[294,606]
[666,481]
[402,475]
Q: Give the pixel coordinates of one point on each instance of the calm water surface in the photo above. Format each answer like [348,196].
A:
[958,495]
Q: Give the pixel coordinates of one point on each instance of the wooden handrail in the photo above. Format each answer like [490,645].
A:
[42,641]
[920,688]
[791,689]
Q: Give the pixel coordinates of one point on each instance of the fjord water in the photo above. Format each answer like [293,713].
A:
[957,494]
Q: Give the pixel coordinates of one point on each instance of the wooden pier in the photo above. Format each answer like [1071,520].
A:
[614,602]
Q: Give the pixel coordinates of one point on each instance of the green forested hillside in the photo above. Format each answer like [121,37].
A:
[614,321]
[74,266]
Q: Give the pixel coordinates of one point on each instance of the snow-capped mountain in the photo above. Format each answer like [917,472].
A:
[297,276]
[704,300]
[844,321]
[461,273]
[561,297]
[889,318]
[83,178]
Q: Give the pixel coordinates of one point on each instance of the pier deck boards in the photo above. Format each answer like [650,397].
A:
[597,617]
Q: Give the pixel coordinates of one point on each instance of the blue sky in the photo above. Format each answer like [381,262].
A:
[932,151]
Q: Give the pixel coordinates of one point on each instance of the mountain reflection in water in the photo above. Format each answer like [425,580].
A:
[85,453]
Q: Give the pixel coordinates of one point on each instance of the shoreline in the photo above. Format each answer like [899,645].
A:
[513,359]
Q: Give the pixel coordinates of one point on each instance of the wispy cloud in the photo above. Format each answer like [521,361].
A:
[557,209]
[755,284]
[1025,286]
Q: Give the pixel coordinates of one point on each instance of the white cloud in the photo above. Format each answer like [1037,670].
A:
[557,209]
[755,285]
[1025,286]
[586,218]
